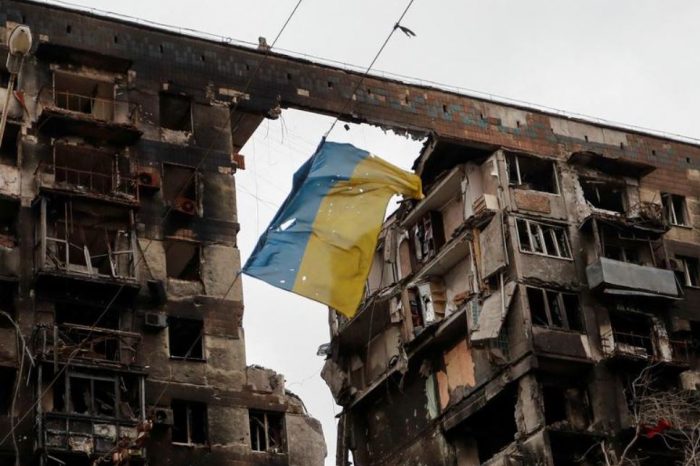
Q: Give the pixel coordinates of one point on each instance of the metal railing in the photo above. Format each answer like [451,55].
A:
[61,255]
[108,184]
[100,108]
[89,343]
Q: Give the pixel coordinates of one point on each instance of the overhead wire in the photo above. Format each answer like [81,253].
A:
[74,354]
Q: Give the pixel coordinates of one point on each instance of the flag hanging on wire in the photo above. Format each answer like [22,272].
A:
[321,242]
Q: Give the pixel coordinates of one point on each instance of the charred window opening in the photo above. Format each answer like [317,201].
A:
[267,431]
[88,395]
[79,314]
[494,426]
[186,338]
[554,309]
[625,248]
[532,173]
[540,238]
[632,333]
[675,209]
[688,271]
[84,95]
[8,290]
[9,147]
[8,376]
[91,170]
[180,188]
[189,422]
[566,405]
[604,195]
[82,239]
[9,212]
[183,260]
[428,236]
[175,112]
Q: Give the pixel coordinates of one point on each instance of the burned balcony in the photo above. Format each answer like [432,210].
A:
[631,335]
[93,414]
[89,172]
[88,344]
[88,107]
[85,240]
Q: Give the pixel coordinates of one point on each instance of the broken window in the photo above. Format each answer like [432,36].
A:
[675,209]
[541,238]
[532,173]
[555,309]
[183,259]
[8,149]
[688,271]
[625,248]
[84,95]
[180,188]
[186,337]
[428,236]
[8,376]
[632,333]
[175,112]
[89,395]
[566,404]
[189,422]
[604,195]
[267,431]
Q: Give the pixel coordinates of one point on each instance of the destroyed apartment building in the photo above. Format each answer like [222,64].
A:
[118,258]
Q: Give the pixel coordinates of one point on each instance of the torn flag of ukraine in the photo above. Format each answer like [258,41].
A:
[321,242]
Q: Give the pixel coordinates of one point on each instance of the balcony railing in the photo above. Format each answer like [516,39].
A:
[106,184]
[109,110]
[70,433]
[628,343]
[92,344]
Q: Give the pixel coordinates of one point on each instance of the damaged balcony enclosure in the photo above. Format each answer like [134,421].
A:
[91,104]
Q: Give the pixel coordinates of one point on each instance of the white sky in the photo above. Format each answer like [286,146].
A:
[632,61]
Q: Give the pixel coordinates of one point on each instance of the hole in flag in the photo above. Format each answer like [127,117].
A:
[284,226]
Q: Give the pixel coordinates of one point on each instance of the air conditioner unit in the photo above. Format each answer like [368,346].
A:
[155,320]
[148,177]
[185,205]
[162,416]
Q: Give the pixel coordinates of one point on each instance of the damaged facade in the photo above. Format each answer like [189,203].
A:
[509,313]
[118,249]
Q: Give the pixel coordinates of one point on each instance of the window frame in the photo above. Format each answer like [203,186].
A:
[540,230]
[187,404]
[563,315]
[514,158]
[670,211]
[200,338]
[265,414]
[688,278]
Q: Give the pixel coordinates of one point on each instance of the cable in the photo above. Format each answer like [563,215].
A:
[165,215]
[374,60]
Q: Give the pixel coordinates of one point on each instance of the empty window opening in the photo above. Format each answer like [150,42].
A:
[540,238]
[554,309]
[183,260]
[161,48]
[116,39]
[189,422]
[175,112]
[675,209]
[180,188]
[428,236]
[8,376]
[84,95]
[688,270]
[8,291]
[330,84]
[634,249]
[186,338]
[9,147]
[493,427]
[632,332]
[9,213]
[604,195]
[267,431]
[532,173]
[69,29]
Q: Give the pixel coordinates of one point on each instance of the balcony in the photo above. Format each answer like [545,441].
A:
[88,172]
[622,278]
[78,113]
[92,345]
[75,240]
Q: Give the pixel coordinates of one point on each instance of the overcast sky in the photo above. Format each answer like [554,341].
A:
[631,61]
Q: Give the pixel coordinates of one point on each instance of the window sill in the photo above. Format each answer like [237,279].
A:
[181,358]
[188,445]
[678,225]
[559,329]
[539,254]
